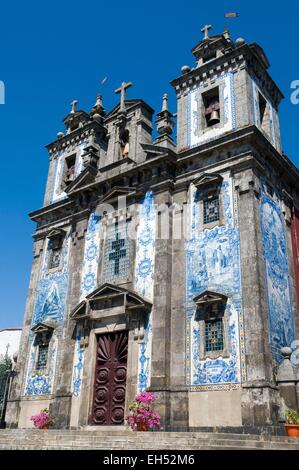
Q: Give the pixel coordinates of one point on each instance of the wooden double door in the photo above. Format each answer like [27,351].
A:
[110,379]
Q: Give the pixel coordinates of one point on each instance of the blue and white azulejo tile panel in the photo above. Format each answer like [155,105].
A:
[58,193]
[144,280]
[91,256]
[145,355]
[37,384]
[78,363]
[50,305]
[145,248]
[213,263]
[281,320]
[197,131]
[51,291]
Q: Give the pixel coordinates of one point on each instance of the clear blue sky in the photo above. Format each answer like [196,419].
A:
[54,52]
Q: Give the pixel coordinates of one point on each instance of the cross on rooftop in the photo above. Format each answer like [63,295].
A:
[122,91]
[206,30]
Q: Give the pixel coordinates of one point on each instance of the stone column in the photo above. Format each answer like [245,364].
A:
[60,408]
[161,339]
[179,410]
[259,393]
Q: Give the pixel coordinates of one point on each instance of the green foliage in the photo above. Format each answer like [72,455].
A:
[292,417]
[5,365]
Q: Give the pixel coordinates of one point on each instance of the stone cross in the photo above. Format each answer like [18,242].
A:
[122,91]
[74,104]
[206,30]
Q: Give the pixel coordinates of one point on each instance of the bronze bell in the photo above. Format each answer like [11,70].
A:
[214,118]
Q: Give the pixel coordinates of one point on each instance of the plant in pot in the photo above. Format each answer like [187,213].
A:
[142,417]
[292,423]
[42,420]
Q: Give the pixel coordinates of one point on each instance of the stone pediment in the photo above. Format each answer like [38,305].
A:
[208,179]
[86,177]
[218,42]
[79,312]
[209,297]
[56,233]
[153,150]
[118,191]
[129,104]
[42,328]
[110,298]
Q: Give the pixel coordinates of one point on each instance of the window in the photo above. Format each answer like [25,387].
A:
[211,209]
[117,247]
[55,248]
[69,170]
[55,258]
[209,56]
[214,335]
[262,108]
[270,190]
[42,357]
[212,319]
[211,105]
[264,114]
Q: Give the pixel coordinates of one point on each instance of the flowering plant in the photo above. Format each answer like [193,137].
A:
[42,420]
[141,412]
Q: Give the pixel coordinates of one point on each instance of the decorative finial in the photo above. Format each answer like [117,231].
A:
[73,105]
[226,33]
[165,102]
[240,42]
[164,121]
[122,91]
[206,30]
[99,102]
[185,69]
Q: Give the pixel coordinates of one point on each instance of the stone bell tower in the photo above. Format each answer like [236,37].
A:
[242,189]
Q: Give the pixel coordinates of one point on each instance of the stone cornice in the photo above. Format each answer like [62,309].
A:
[75,136]
[241,57]
[176,170]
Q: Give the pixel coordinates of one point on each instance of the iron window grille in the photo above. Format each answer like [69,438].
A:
[211,209]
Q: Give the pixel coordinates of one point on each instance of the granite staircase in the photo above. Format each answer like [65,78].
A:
[27,439]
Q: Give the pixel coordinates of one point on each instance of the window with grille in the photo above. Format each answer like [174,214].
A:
[211,209]
[214,335]
[117,252]
[42,357]
[55,257]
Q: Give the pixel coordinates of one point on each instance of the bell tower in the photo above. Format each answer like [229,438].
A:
[229,88]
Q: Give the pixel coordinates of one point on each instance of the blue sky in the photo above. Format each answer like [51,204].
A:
[56,52]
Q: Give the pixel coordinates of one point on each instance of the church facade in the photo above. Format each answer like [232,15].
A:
[166,265]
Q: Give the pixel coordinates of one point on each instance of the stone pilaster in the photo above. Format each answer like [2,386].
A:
[161,339]
[259,392]
[61,406]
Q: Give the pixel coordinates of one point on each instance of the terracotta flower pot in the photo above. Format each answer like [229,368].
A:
[292,430]
[142,427]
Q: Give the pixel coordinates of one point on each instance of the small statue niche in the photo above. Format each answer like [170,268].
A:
[124,137]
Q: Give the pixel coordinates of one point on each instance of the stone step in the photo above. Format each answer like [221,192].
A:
[127,440]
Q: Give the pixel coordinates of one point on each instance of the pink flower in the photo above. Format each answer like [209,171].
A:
[141,411]
[42,420]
